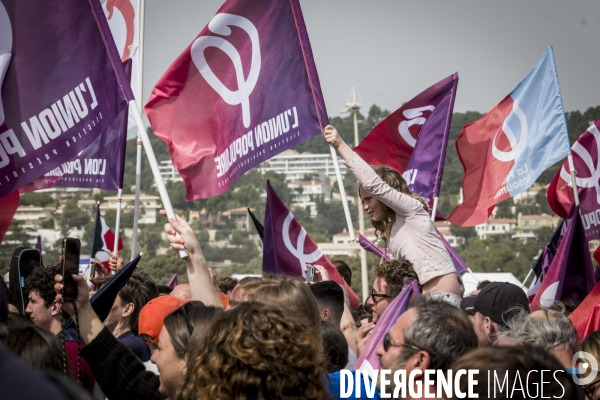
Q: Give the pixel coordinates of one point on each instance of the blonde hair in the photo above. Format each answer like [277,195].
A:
[397,182]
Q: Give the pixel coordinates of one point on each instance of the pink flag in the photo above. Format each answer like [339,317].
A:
[243,91]
[368,359]
[287,248]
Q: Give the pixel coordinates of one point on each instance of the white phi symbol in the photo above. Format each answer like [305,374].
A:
[220,25]
[593,181]
[298,250]
[412,113]
[5,51]
[516,147]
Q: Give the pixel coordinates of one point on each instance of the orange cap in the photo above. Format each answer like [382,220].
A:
[153,315]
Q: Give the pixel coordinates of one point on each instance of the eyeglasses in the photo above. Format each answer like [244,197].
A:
[374,296]
[387,342]
[590,389]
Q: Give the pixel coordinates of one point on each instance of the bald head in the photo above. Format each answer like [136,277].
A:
[182,292]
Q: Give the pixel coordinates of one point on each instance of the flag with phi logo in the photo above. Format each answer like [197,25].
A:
[244,90]
[287,248]
[504,152]
[62,85]
[413,139]
[586,159]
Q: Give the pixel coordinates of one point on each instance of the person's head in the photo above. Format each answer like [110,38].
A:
[482,284]
[524,367]
[153,315]
[495,306]
[42,308]
[124,314]
[183,326]
[344,270]
[37,346]
[431,334]
[383,217]
[288,293]
[256,351]
[335,347]
[164,290]
[330,300]
[389,281]
[238,292]
[552,331]
[591,345]
[226,284]
[182,292]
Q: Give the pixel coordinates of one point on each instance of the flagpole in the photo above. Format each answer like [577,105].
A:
[118,222]
[138,162]
[434,208]
[162,190]
[353,108]
[573,181]
[338,175]
[527,277]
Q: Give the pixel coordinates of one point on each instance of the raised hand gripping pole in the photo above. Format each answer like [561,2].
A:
[162,190]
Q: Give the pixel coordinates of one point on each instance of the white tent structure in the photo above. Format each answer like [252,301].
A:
[470,280]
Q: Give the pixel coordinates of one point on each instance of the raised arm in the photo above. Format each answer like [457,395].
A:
[369,180]
[198,274]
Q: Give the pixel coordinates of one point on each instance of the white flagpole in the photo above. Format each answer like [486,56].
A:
[434,209]
[162,190]
[118,223]
[338,175]
[139,94]
[364,272]
[527,277]
[573,181]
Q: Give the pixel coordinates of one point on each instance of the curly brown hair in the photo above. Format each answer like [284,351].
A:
[396,181]
[394,272]
[256,351]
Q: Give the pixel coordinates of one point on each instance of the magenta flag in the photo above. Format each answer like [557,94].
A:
[173,282]
[459,264]
[586,160]
[414,138]
[372,248]
[62,85]
[570,276]
[287,248]
[244,90]
[101,165]
[368,359]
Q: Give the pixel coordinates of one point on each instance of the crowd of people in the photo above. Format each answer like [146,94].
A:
[278,337]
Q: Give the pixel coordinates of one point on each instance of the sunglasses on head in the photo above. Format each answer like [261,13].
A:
[387,343]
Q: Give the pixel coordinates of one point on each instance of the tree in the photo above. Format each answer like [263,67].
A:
[504,208]
[73,217]
[463,231]
[36,199]
[542,202]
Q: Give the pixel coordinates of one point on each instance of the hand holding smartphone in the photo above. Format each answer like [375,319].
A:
[70,266]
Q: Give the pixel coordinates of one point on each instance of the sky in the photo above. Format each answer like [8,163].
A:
[391,50]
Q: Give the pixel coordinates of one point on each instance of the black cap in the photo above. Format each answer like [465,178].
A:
[501,301]
[468,304]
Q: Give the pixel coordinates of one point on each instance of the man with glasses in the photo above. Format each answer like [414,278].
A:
[389,281]
[431,334]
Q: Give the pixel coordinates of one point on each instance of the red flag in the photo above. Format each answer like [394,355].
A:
[8,207]
[586,316]
[245,90]
[287,248]
[570,276]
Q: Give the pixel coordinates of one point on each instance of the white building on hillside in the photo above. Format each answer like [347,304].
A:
[495,226]
[295,166]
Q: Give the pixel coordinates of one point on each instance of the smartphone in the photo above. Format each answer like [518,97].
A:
[70,266]
[27,260]
[310,273]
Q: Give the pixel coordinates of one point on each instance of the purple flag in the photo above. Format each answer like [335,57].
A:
[570,275]
[38,243]
[63,85]
[100,166]
[368,359]
[287,248]
[372,248]
[544,260]
[243,91]
[413,139]
[173,282]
